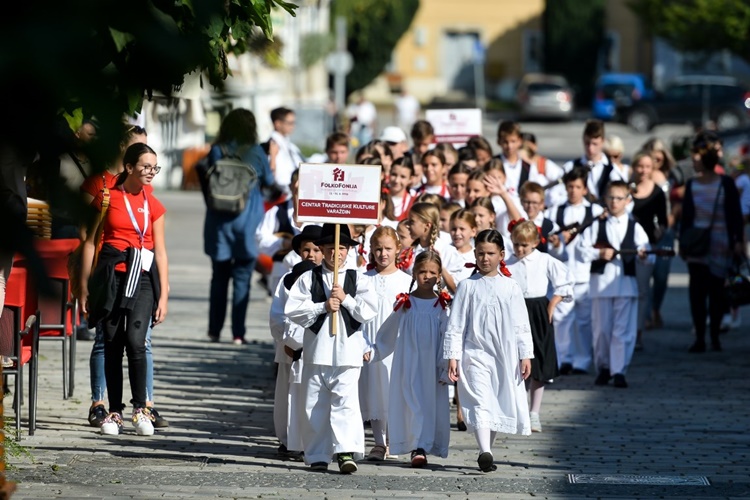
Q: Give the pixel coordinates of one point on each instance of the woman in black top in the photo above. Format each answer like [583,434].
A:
[650,210]
[711,203]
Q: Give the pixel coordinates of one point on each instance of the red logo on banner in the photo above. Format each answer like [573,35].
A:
[338,175]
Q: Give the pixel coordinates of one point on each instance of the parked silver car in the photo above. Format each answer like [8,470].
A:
[544,96]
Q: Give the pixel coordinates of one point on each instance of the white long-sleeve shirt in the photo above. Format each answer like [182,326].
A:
[323,348]
[535,272]
[613,282]
[572,214]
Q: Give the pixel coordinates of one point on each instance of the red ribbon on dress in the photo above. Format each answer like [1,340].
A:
[402,299]
[504,270]
[444,299]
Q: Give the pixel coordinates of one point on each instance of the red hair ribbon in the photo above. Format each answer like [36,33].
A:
[541,237]
[402,299]
[513,223]
[470,265]
[405,258]
[444,299]
[361,249]
[370,266]
[504,270]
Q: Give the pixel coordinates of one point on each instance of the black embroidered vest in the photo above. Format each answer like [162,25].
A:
[319,295]
[628,243]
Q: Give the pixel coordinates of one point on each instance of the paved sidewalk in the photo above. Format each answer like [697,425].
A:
[684,417]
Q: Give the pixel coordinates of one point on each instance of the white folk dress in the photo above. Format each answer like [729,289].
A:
[419,407]
[374,381]
[489,333]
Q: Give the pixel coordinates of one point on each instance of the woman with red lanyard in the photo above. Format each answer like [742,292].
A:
[128,288]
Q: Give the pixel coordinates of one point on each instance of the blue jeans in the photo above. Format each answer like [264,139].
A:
[96,367]
[661,272]
[240,272]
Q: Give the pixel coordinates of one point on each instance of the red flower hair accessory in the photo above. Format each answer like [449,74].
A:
[444,299]
[541,237]
[402,299]
[470,265]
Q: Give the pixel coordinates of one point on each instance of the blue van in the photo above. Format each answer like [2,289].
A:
[615,90]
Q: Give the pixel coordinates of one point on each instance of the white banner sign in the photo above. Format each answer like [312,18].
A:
[341,194]
[455,125]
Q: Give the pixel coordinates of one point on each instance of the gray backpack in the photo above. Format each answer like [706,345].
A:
[227,184]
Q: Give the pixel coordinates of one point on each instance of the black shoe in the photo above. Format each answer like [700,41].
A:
[603,377]
[418,458]
[566,369]
[83,333]
[485,462]
[620,381]
[319,466]
[461,425]
[347,465]
[715,345]
[213,338]
[157,420]
[579,371]
[697,347]
[96,415]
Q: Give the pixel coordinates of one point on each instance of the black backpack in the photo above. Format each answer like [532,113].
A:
[227,182]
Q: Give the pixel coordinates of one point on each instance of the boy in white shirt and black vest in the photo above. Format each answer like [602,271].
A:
[332,363]
[573,336]
[613,246]
[601,170]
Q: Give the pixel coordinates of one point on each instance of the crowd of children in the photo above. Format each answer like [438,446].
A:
[493,274]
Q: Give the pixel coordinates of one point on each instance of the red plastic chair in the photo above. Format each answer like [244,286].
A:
[20,301]
[61,311]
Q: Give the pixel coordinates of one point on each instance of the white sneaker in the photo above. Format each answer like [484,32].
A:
[142,422]
[736,322]
[726,322]
[111,425]
[536,424]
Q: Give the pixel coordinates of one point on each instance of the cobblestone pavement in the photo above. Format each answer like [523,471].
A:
[684,417]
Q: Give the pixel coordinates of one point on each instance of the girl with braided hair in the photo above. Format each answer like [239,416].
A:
[424,228]
[489,347]
[374,381]
[418,406]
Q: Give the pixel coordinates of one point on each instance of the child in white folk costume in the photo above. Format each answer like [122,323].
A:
[285,397]
[374,382]
[489,347]
[614,246]
[424,228]
[332,363]
[418,407]
[535,271]
[463,228]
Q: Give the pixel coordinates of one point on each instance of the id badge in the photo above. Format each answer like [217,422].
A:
[147,258]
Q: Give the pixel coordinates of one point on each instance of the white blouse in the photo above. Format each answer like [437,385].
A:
[537,271]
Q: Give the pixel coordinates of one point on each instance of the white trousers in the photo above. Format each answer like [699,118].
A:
[614,323]
[573,334]
[333,422]
[288,408]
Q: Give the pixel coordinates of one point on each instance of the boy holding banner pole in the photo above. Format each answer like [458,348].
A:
[333,350]
[332,315]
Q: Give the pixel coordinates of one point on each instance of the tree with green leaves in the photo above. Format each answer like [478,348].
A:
[573,35]
[374,27]
[101,58]
[698,25]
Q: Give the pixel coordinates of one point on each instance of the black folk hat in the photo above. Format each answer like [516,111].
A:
[327,236]
[309,233]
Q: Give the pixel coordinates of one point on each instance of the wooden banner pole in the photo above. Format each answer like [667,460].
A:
[336,263]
